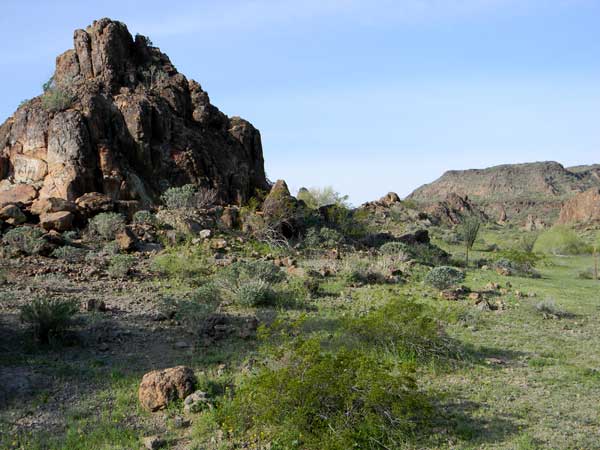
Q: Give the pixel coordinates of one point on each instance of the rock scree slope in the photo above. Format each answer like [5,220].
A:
[117,118]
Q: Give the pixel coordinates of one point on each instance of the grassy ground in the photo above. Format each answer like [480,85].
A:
[525,380]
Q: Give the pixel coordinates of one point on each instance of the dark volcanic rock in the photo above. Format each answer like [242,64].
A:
[120,120]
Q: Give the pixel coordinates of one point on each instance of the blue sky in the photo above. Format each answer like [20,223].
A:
[366,96]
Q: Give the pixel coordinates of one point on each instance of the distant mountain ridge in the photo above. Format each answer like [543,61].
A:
[537,188]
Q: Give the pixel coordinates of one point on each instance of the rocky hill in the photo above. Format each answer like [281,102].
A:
[117,118]
[513,191]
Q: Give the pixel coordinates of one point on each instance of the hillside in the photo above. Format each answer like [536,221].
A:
[537,188]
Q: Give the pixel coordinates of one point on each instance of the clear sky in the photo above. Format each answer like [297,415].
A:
[366,96]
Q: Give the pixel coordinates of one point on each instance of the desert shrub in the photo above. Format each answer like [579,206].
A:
[444,277]
[70,236]
[145,218]
[190,263]
[250,283]
[518,263]
[361,271]
[560,240]
[189,196]
[549,310]
[527,242]
[408,329]
[312,397]
[192,311]
[252,293]
[468,231]
[429,254]
[68,253]
[106,225]
[587,274]
[322,238]
[120,266]
[27,240]
[56,97]
[48,318]
[318,197]
[397,250]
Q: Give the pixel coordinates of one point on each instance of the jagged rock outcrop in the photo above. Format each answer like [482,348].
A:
[119,119]
[513,190]
[453,210]
[583,208]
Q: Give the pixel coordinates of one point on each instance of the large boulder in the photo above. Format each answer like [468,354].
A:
[12,215]
[120,120]
[160,387]
[58,221]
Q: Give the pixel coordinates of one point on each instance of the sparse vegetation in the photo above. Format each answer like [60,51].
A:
[48,317]
[468,231]
[560,240]
[189,196]
[106,225]
[120,266]
[444,277]
[315,197]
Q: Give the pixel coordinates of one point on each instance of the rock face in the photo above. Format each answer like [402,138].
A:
[119,119]
[583,208]
[160,387]
[453,209]
[513,191]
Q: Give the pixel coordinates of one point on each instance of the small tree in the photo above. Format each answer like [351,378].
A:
[468,232]
[316,197]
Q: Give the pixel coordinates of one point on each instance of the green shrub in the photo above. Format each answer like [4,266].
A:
[250,283]
[48,318]
[560,240]
[188,196]
[322,238]
[120,266]
[57,99]
[549,310]
[397,250]
[145,218]
[184,263]
[107,225]
[518,263]
[27,240]
[68,253]
[194,310]
[361,271]
[252,293]
[314,398]
[444,277]
[318,197]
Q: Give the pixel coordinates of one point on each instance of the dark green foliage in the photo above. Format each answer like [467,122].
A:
[518,263]
[27,240]
[444,277]
[120,266]
[319,238]
[315,398]
[48,318]
[107,225]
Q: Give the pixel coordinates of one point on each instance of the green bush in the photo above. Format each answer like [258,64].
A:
[188,196]
[27,240]
[322,238]
[397,250]
[361,271]
[560,240]
[120,266]
[194,310]
[250,283]
[312,397]
[145,218]
[184,263]
[48,318]
[68,253]
[444,277]
[318,197]
[57,99]
[107,225]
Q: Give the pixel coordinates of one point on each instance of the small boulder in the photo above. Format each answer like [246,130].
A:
[196,402]
[94,203]
[153,442]
[12,215]
[59,221]
[44,206]
[205,234]
[17,193]
[126,240]
[160,387]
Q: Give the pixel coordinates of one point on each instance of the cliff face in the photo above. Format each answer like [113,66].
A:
[514,190]
[118,118]
[582,208]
